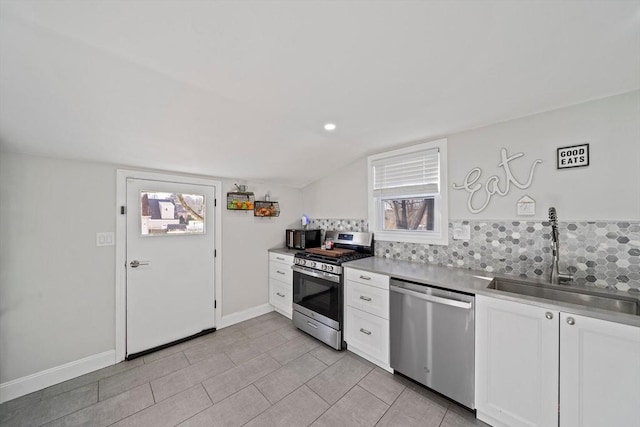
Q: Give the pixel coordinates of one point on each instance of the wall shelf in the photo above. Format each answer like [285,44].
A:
[266,209]
[237,201]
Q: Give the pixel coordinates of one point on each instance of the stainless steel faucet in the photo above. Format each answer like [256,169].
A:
[556,277]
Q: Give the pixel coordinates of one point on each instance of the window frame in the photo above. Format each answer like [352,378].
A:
[440,236]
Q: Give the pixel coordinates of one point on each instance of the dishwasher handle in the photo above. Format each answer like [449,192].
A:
[432,298]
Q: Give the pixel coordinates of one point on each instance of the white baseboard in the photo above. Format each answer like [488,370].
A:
[34,382]
[241,316]
[490,420]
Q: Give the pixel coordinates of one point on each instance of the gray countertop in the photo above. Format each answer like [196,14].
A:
[475,282]
[284,251]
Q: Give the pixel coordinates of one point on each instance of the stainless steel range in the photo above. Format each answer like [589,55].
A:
[318,285]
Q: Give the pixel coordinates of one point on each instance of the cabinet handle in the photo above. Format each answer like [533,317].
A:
[549,315]
[281,259]
[362,297]
[364,331]
[279,272]
[571,321]
[279,294]
[365,277]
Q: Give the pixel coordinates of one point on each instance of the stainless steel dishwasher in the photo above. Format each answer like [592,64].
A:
[432,338]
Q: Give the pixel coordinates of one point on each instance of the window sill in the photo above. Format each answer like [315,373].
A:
[391,236]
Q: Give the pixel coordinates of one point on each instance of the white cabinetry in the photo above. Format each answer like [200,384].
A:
[532,362]
[516,364]
[281,283]
[599,373]
[367,315]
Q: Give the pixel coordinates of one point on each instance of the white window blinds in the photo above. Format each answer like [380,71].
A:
[407,174]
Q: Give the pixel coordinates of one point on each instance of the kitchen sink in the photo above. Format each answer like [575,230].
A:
[619,304]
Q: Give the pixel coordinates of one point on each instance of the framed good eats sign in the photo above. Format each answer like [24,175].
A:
[574,156]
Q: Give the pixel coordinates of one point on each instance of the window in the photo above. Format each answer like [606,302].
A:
[171,213]
[408,194]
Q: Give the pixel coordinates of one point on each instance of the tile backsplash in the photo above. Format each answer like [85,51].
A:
[597,253]
[341,224]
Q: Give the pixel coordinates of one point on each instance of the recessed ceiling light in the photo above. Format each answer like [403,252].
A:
[329,127]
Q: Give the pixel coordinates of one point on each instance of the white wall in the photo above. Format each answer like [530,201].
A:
[246,240]
[57,288]
[609,188]
[341,194]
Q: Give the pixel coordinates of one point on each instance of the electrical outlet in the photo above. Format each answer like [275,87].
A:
[461,231]
[105,239]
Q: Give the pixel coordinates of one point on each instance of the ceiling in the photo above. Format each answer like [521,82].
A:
[241,89]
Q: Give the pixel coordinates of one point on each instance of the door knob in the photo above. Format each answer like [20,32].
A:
[135,263]
[571,321]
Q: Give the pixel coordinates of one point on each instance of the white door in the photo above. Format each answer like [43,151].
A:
[599,373]
[169,262]
[516,364]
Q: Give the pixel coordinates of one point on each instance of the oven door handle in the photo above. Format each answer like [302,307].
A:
[310,272]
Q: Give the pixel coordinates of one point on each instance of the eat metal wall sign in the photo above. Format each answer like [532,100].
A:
[574,156]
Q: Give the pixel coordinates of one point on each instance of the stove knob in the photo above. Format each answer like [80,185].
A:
[329,268]
[324,267]
[312,264]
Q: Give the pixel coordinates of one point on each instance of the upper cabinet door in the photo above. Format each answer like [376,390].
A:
[516,364]
[599,373]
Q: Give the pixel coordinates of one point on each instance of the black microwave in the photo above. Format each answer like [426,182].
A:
[303,239]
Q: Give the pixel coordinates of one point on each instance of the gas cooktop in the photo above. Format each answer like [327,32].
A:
[332,259]
[360,243]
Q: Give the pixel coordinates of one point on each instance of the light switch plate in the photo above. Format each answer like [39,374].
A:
[461,231]
[105,238]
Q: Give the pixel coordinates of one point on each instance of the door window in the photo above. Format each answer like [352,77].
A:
[163,214]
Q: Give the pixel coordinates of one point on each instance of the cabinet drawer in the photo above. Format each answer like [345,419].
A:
[373,279]
[284,259]
[368,298]
[280,295]
[281,272]
[368,333]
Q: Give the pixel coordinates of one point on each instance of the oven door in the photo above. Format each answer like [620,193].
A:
[318,295]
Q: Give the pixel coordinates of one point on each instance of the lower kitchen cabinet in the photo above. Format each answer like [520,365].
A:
[599,373]
[539,367]
[367,316]
[516,364]
[281,283]
[368,335]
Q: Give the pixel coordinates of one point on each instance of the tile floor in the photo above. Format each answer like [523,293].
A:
[262,372]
